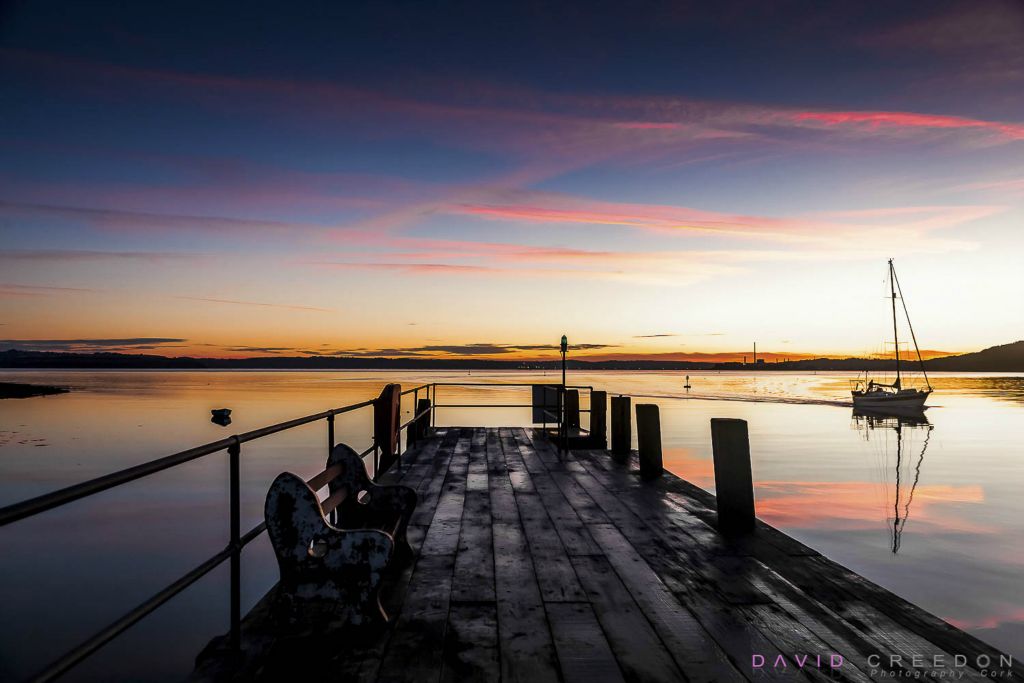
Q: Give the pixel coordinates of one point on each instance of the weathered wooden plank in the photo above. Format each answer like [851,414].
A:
[584,655]
[527,649]
[867,627]
[802,651]
[503,502]
[446,525]
[429,491]
[474,563]
[672,552]
[538,450]
[531,456]
[695,652]
[568,526]
[517,471]
[641,654]
[588,511]
[414,652]
[471,644]
[906,614]
[555,575]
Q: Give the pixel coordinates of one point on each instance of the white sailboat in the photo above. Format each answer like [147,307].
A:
[871,395]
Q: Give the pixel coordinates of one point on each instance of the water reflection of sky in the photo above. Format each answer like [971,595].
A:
[821,475]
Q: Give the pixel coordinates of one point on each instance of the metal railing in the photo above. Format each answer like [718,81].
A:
[237,541]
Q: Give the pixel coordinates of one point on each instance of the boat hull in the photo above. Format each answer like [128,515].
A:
[886,401]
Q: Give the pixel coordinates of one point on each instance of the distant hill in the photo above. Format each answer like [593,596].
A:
[1005,358]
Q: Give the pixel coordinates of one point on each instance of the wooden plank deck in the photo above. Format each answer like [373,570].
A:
[537,566]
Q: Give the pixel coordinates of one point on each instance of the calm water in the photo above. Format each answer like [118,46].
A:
[836,482]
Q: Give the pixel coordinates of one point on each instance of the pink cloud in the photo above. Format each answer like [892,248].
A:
[825,229]
[876,120]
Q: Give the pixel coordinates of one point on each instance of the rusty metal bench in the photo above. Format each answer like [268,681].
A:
[337,566]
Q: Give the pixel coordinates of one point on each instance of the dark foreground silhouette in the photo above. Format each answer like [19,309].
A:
[12,390]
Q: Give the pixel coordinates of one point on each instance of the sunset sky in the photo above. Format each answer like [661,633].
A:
[424,179]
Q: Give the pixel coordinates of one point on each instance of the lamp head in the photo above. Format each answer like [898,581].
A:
[565,344]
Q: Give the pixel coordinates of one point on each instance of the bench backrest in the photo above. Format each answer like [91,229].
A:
[294,518]
[347,477]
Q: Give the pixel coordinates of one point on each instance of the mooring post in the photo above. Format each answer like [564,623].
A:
[234,451]
[648,437]
[734,484]
[599,419]
[622,435]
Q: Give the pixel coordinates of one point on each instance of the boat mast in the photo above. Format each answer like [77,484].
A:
[895,333]
[912,335]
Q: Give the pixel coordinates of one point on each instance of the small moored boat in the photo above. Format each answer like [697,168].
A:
[873,395]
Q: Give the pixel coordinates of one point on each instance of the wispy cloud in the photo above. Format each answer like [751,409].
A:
[263,349]
[260,304]
[91,345]
[89,255]
[139,221]
[10,289]
[824,229]
[474,349]
[875,121]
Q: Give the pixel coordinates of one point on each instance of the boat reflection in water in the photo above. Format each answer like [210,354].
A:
[911,432]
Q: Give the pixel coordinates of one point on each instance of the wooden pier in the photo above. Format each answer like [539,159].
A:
[535,565]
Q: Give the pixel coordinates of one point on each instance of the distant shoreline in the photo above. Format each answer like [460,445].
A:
[15,390]
[1005,358]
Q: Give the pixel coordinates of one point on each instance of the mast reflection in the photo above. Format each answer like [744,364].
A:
[906,426]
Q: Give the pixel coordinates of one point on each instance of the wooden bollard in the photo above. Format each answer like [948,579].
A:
[599,419]
[572,409]
[734,485]
[423,421]
[622,435]
[648,438]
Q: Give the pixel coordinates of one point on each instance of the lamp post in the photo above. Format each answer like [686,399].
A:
[565,347]
[564,425]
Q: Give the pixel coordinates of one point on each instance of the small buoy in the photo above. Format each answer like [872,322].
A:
[221,416]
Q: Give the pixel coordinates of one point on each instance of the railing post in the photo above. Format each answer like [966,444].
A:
[648,438]
[234,453]
[330,432]
[734,483]
[622,436]
[433,409]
